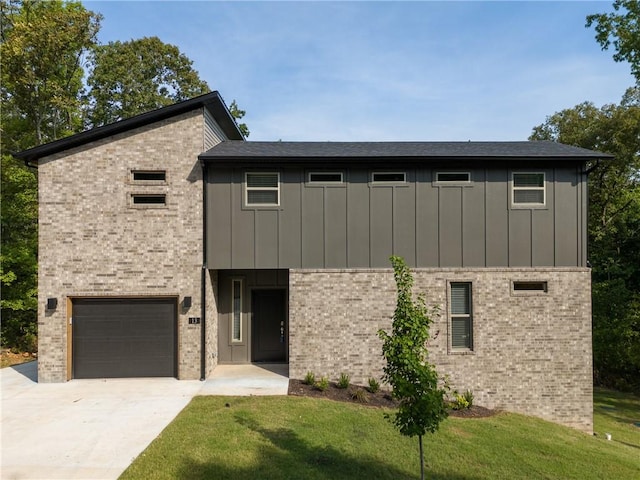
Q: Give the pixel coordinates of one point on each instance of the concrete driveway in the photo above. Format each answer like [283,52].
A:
[93,429]
[83,429]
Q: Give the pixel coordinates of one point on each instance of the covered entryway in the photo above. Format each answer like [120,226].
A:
[269,325]
[124,337]
[253,312]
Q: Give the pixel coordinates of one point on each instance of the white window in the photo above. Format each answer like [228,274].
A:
[325,177]
[461,318]
[262,188]
[388,177]
[528,189]
[236,315]
[453,177]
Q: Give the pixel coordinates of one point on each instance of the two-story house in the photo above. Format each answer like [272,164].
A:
[169,245]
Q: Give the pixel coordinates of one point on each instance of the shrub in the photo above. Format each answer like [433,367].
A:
[359,395]
[309,378]
[374,385]
[322,384]
[468,396]
[343,381]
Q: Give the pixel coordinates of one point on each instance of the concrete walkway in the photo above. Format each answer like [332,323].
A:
[93,429]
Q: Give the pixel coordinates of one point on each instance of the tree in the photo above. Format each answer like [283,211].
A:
[613,227]
[18,262]
[414,380]
[43,46]
[621,29]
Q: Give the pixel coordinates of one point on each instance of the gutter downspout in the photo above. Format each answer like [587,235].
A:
[203,278]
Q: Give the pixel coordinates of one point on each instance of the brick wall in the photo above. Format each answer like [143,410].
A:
[92,242]
[532,351]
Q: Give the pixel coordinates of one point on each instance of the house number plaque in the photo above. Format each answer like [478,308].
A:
[194,320]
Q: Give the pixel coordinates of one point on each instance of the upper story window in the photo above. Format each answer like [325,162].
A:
[453,178]
[326,177]
[528,189]
[388,177]
[148,200]
[262,189]
[149,176]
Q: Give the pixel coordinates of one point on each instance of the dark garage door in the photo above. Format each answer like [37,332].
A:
[124,337]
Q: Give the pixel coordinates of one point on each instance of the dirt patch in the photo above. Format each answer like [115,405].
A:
[380,399]
[9,358]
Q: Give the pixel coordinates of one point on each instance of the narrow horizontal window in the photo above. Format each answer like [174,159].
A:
[148,199]
[388,177]
[325,177]
[262,189]
[149,176]
[530,286]
[528,189]
[453,177]
[461,318]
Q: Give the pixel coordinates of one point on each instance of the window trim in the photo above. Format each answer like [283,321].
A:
[469,316]
[325,182]
[140,181]
[515,291]
[457,183]
[247,188]
[134,204]
[388,182]
[232,337]
[515,204]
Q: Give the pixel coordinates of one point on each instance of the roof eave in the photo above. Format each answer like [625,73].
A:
[212,101]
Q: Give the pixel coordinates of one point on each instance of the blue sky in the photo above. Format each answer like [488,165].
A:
[380,71]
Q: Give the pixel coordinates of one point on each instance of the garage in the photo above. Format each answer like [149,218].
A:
[124,337]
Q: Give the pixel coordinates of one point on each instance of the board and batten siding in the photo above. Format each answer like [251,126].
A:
[357,224]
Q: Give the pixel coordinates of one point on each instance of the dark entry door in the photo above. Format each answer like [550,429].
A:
[127,337]
[269,328]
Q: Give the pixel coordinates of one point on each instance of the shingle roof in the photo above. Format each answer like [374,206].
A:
[211,101]
[301,151]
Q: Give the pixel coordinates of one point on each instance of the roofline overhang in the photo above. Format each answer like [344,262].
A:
[211,101]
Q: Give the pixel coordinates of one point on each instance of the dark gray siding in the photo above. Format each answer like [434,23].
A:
[357,224]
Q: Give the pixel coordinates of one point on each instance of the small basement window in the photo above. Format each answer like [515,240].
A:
[528,189]
[453,177]
[325,177]
[143,199]
[262,189]
[539,287]
[388,177]
[149,175]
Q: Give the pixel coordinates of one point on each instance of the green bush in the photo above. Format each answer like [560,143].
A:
[322,384]
[309,378]
[343,381]
[374,385]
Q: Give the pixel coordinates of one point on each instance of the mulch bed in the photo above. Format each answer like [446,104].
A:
[380,399]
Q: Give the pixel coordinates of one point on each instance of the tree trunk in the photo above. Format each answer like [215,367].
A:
[421,458]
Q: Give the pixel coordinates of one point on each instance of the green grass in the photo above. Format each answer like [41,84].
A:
[305,438]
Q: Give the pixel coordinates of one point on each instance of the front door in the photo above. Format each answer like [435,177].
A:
[269,328]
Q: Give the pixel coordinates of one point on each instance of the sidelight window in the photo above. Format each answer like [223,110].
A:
[236,320]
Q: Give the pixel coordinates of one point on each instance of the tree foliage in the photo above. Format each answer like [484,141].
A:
[620,29]
[18,261]
[42,51]
[414,380]
[613,226]
[136,76]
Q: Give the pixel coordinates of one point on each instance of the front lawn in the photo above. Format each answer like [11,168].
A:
[306,438]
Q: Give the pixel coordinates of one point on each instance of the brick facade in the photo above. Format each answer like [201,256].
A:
[532,350]
[93,242]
